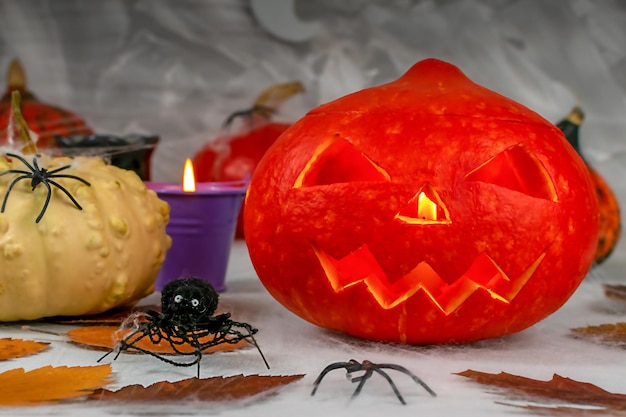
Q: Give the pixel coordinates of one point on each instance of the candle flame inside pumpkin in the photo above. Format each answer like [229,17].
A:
[426,208]
[189,180]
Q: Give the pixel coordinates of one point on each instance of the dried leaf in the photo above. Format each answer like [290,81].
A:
[561,411]
[557,390]
[615,291]
[15,348]
[49,384]
[608,334]
[206,389]
[107,337]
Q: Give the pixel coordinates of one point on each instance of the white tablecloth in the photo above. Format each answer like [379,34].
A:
[293,346]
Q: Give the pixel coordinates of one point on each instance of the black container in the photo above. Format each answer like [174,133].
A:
[132,152]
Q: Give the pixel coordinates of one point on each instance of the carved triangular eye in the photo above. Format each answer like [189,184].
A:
[516,169]
[338,161]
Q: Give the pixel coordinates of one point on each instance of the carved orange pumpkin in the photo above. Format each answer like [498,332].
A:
[426,210]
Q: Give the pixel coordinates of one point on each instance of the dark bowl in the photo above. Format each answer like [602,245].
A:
[132,152]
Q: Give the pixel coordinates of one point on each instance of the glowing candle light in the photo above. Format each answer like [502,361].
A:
[189,179]
[426,208]
[202,224]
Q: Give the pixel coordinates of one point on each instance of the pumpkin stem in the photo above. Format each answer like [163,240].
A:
[274,96]
[16,76]
[268,102]
[570,127]
[29,146]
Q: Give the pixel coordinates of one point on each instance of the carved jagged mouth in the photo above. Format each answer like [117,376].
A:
[361,268]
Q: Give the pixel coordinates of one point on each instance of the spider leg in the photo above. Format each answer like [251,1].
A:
[256,345]
[391,383]
[331,367]
[24,161]
[409,373]
[123,344]
[74,177]
[126,346]
[195,342]
[15,171]
[67,193]
[6,196]
[362,379]
[189,337]
[250,335]
[54,171]
[197,356]
[45,204]
[105,355]
[148,331]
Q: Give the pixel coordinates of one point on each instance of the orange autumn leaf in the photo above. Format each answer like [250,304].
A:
[206,389]
[15,348]
[613,334]
[49,384]
[107,337]
[557,390]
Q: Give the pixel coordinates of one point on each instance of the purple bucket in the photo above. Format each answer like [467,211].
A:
[202,227]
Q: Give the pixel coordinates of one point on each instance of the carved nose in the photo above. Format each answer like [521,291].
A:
[425,207]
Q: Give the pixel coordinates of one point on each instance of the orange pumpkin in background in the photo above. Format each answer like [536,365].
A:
[426,210]
[234,156]
[44,120]
[610,219]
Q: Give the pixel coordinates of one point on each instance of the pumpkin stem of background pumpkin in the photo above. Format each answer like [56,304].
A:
[274,96]
[571,125]
[610,220]
[29,146]
[269,101]
[16,76]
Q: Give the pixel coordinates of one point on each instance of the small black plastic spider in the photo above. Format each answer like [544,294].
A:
[369,368]
[188,305]
[263,111]
[40,176]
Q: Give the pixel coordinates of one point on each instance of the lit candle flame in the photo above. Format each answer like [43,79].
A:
[189,181]
[426,208]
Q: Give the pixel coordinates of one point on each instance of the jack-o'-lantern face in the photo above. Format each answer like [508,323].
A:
[426,210]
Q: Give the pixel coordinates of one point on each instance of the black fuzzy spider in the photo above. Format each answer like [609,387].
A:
[369,368]
[188,305]
[263,111]
[39,176]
